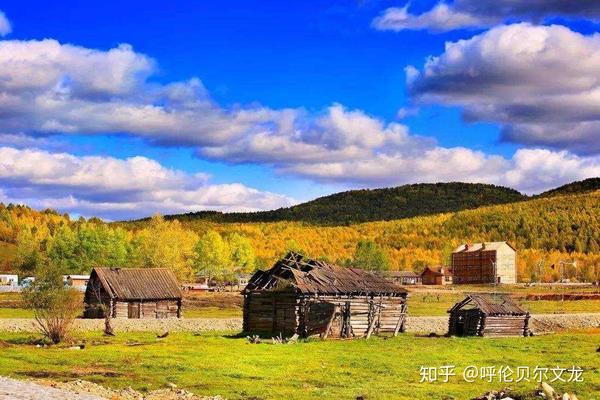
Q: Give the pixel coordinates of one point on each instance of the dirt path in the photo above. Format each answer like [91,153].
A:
[83,390]
[12,389]
[539,323]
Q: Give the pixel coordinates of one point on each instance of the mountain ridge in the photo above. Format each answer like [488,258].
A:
[406,201]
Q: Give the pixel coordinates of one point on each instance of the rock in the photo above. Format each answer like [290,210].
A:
[171,385]
[548,391]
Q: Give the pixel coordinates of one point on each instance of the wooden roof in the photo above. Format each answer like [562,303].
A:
[138,283]
[309,276]
[491,304]
[437,271]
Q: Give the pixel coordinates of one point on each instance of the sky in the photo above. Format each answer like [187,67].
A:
[125,109]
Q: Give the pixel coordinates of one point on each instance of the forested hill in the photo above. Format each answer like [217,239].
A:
[585,186]
[547,229]
[357,206]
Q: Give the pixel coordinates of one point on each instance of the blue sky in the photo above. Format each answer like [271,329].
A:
[325,81]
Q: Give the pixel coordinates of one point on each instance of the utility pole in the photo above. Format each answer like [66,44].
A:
[495,272]
[562,264]
[540,269]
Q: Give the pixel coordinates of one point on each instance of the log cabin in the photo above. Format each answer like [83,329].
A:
[132,293]
[308,297]
[487,314]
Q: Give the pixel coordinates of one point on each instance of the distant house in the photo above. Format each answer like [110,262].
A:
[486,314]
[404,277]
[9,283]
[9,279]
[78,282]
[242,280]
[194,287]
[489,262]
[309,297]
[436,276]
[133,293]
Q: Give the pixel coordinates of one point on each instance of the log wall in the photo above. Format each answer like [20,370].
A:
[275,312]
[505,325]
[147,309]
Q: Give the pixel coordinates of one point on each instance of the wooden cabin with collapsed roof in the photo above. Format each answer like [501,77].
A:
[133,293]
[488,314]
[309,297]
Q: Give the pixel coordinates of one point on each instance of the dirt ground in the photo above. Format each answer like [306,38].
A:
[540,323]
[12,389]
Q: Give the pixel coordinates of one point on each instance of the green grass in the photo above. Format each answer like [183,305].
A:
[420,304]
[213,312]
[15,313]
[211,364]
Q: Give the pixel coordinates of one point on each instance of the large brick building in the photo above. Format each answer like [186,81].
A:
[481,262]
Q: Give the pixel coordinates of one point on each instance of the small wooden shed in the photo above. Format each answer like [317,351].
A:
[308,297]
[488,314]
[133,293]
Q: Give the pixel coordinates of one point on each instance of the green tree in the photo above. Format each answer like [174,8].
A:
[165,244]
[28,253]
[242,253]
[212,257]
[370,256]
[62,250]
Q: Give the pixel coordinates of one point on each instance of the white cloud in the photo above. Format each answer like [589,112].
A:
[117,188]
[47,87]
[468,14]
[5,26]
[540,82]
[440,18]
[529,170]
[536,170]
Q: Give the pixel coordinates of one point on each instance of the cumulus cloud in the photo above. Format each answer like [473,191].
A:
[440,18]
[540,82]
[350,147]
[47,87]
[118,188]
[5,26]
[467,14]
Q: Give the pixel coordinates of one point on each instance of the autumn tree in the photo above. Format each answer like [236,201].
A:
[165,244]
[212,256]
[242,252]
[29,256]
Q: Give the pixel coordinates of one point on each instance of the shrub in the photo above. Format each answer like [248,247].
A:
[54,306]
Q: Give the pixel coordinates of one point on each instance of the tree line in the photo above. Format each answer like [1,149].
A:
[544,230]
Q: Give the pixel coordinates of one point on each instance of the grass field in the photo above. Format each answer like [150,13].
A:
[215,363]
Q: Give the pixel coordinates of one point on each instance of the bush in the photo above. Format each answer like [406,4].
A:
[54,306]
